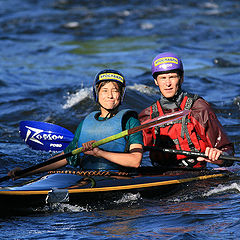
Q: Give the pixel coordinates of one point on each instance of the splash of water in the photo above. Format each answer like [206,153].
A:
[128,197]
[75,98]
[221,188]
[144,89]
[63,207]
[237,101]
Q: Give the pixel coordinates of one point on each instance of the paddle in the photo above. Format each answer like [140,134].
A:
[45,136]
[152,123]
[188,153]
[49,137]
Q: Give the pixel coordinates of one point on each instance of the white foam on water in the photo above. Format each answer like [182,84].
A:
[63,207]
[128,197]
[144,89]
[221,188]
[181,199]
[236,101]
[75,98]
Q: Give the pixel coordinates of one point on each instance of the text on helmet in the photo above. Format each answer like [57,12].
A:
[111,76]
[164,60]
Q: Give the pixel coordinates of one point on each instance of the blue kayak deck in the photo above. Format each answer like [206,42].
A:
[84,188]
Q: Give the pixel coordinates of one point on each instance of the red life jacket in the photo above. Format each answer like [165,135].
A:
[179,134]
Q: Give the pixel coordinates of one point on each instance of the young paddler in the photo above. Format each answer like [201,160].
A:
[108,90]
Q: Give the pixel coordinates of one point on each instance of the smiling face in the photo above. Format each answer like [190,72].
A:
[168,83]
[109,96]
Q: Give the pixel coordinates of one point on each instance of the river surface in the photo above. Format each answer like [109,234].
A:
[51,51]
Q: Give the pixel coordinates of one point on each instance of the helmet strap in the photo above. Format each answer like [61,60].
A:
[111,112]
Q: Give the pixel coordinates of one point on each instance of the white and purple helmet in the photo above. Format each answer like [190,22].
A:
[166,62]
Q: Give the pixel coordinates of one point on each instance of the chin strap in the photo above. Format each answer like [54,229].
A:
[111,112]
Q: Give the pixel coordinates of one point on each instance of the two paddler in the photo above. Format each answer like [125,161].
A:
[200,131]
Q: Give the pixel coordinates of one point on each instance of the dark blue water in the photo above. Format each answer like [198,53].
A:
[50,53]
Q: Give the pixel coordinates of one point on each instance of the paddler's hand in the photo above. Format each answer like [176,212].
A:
[213,154]
[12,173]
[89,150]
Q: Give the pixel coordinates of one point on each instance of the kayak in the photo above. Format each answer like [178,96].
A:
[77,187]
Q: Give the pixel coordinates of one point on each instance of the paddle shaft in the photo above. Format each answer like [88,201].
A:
[125,133]
[188,153]
[129,132]
[139,128]
[37,166]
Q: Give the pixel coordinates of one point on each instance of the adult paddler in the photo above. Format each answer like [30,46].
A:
[200,131]
[108,91]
